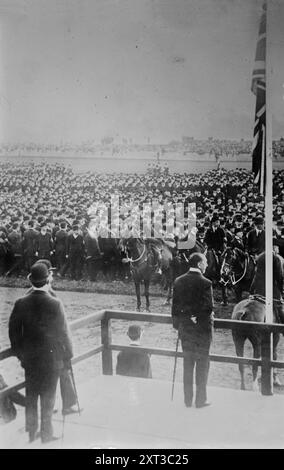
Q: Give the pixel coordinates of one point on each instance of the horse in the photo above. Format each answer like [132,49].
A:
[142,265]
[213,270]
[237,271]
[253,309]
[112,266]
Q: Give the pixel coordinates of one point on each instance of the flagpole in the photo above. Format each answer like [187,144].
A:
[269,175]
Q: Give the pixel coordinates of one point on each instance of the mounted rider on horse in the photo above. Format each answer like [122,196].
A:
[215,238]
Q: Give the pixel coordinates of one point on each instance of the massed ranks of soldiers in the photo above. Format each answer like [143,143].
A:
[44,213]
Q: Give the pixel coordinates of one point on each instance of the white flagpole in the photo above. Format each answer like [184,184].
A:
[269,174]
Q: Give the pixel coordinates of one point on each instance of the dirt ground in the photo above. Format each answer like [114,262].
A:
[79,304]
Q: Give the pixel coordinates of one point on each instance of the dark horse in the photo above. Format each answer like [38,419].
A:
[112,266]
[213,268]
[237,271]
[252,309]
[142,265]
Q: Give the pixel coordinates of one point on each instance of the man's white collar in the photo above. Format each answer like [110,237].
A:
[195,270]
[44,288]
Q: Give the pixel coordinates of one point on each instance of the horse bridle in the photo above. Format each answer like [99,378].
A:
[222,270]
[131,260]
[232,278]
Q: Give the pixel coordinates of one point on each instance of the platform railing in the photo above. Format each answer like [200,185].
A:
[104,318]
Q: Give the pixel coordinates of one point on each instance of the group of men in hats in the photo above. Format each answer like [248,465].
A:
[45,211]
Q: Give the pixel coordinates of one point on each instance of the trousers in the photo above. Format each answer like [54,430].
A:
[40,383]
[196,362]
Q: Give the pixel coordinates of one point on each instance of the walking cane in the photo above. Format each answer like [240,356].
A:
[77,400]
[74,385]
[63,426]
[175,368]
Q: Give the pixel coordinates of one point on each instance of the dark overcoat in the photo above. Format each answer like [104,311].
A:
[39,333]
[192,297]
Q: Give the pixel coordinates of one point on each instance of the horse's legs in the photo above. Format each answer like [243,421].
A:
[169,277]
[276,380]
[147,284]
[239,341]
[256,344]
[138,296]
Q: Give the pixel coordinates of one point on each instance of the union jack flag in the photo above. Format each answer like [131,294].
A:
[258,87]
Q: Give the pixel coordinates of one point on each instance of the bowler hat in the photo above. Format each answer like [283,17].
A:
[39,273]
[258,220]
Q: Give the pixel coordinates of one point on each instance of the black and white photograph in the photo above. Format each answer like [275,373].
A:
[142,226]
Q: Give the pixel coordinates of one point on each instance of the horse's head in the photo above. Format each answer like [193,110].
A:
[131,246]
[233,266]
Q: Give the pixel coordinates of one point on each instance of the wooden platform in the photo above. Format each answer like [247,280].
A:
[126,413]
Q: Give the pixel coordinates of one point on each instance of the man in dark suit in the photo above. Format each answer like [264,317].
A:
[256,238]
[215,237]
[68,393]
[43,243]
[134,363]
[76,253]
[93,254]
[61,246]
[29,239]
[40,339]
[193,318]
[15,239]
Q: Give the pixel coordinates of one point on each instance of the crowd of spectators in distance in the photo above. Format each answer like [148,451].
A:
[184,147]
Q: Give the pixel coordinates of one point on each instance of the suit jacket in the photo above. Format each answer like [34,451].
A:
[76,246]
[15,239]
[192,297]
[134,363]
[255,244]
[39,332]
[61,242]
[215,240]
[43,244]
[29,238]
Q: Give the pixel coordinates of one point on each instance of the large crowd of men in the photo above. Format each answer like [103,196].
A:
[47,210]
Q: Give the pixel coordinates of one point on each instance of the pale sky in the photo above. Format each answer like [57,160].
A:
[78,70]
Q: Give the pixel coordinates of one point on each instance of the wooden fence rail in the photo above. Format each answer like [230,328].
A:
[104,318]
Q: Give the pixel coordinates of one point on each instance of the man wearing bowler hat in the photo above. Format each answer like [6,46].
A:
[256,237]
[215,236]
[40,339]
[68,393]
